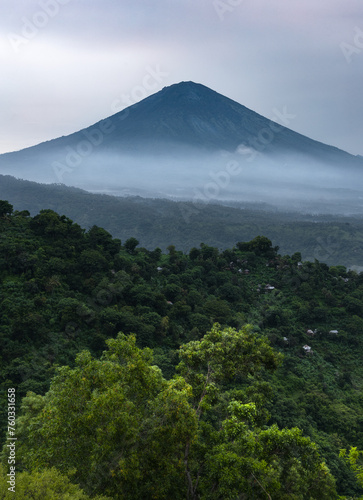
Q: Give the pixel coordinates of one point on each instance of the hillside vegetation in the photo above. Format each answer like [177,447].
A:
[209,374]
[333,239]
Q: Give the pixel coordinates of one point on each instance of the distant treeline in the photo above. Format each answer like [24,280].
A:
[159,222]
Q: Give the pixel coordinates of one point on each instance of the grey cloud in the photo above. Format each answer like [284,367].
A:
[262,54]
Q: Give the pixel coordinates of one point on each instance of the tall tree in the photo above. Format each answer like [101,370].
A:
[117,427]
[114,425]
[5,208]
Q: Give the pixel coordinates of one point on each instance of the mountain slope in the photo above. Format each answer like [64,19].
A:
[176,140]
[191,114]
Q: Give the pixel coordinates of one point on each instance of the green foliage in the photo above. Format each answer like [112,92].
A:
[5,208]
[226,353]
[353,459]
[131,244]
[46,485]
[279,464]
[275,464]
[108,423]
[116,426]
[260,245]
[64,290]
[334,239]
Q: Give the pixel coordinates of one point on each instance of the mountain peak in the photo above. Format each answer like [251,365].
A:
[181,93]
[192,114]
[192,91]
[187,87]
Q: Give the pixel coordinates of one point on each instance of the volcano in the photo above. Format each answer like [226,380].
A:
[177,139]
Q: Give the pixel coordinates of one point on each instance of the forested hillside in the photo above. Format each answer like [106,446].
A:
[333,239]
[229,366]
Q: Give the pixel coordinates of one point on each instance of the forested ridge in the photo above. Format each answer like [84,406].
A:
[333,239]
[208,374]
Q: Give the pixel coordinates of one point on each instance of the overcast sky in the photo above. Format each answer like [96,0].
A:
[66,64]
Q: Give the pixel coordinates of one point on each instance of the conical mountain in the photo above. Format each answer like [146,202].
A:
[178,135]
[191,114]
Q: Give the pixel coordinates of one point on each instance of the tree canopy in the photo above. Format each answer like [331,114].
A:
[116,426]
[220,394]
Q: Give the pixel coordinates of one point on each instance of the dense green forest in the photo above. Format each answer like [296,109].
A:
[207,374]
[333,239]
